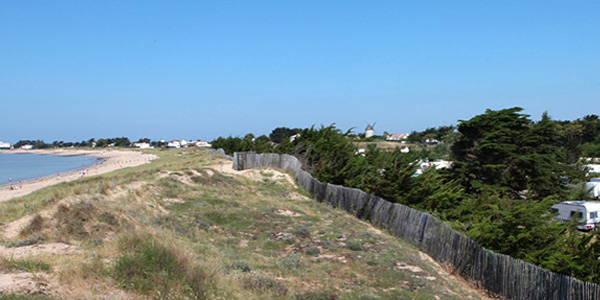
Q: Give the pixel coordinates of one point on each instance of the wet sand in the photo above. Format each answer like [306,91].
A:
[113,160]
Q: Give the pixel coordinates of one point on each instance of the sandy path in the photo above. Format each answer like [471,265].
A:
[113,160]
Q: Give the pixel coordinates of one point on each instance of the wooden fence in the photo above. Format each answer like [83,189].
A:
[498,274]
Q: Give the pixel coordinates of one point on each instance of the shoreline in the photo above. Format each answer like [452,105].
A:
[57,174]
[109,160]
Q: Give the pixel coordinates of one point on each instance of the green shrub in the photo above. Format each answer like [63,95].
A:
[367,296]
[32,266]
[35,225]
[314,251]
[108,218]
[72,219]
[149,267]
[355,246]
[240,266]
[302,232]
[317,295]
[258,283]
[291,263]
[26,297]
[26,242]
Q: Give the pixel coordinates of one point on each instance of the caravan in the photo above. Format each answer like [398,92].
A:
[586,212]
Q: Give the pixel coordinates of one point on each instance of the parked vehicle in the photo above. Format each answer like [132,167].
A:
[586,213]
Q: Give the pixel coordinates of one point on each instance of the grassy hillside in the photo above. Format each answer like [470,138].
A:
[187,227]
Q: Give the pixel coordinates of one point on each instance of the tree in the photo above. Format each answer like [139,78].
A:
[591,129]
[122,142]
[102,143]
[280,134]
[506,152]
[523,229]
[440,133]
[324,152]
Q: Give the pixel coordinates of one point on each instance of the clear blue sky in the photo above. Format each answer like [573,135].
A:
[73,70]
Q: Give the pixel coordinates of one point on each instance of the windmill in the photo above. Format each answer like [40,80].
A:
[370,131]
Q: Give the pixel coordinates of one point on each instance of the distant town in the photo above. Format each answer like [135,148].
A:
[102,143]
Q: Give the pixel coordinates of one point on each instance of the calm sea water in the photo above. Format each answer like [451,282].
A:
[22,167]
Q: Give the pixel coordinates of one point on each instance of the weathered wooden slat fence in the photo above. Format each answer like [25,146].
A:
[499,274]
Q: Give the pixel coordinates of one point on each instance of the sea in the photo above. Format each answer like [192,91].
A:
[17,167]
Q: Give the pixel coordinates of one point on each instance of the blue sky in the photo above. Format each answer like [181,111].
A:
[73,70]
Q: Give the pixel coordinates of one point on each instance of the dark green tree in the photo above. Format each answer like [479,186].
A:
[324,152]
[121,142]
[280,134]
[506,152]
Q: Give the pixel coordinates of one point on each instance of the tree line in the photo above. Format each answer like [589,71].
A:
[507,171]
[122,142]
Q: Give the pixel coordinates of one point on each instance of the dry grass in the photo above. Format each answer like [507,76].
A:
[179,229]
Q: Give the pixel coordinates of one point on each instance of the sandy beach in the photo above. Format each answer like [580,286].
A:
[112,160]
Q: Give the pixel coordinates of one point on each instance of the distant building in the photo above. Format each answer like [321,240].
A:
[174,144]
[593,168]
[404,150]
[437,164]
[26,147]
[5,145]
[201,144]
[142,145]
[397,137]
[369,131]
[293,137]
[431,142]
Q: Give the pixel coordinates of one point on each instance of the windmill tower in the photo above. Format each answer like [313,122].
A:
[369,131]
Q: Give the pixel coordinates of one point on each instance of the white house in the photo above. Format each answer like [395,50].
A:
[201,144]
[5,145]
[27,147]
[397,137]
[143,145]
[174,144]
[293,137]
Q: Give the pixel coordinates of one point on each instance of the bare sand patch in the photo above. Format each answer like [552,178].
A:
[226,167]
[13,229]
[23,283]
[40,249]
[285,212]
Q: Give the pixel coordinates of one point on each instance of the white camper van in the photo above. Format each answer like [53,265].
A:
[588,213]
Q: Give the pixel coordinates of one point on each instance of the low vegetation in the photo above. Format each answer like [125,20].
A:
[184,228]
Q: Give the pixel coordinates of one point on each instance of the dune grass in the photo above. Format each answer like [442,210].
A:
[177,229]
